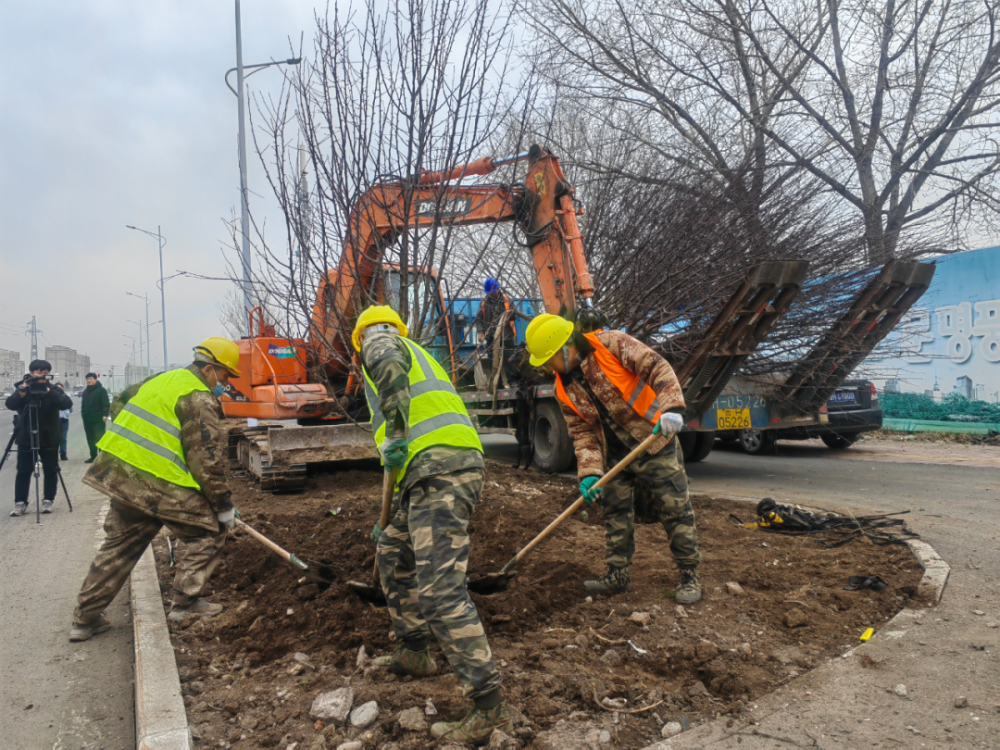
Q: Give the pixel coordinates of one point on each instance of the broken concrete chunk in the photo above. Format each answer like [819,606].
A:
[672,728]
[412,720]
[364,715]
[333,706]
[735,589]
[639,618]
[698,690]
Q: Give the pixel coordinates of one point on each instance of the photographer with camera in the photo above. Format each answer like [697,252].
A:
[50,401]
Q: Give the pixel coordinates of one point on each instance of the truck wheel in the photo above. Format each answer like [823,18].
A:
[701,447]
[553,445]
[758,442]
[839,442]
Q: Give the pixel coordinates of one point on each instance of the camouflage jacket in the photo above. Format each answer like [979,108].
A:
[387,362]
[589,439]
[203,441]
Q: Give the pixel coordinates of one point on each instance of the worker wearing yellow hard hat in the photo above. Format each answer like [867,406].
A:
[614,392]
[425,435]
[162,463]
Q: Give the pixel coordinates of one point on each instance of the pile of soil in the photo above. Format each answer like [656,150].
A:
[956,438]
[561,656]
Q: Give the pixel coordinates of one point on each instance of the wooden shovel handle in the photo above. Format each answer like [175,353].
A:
[615,471]
[264,540]
[388,485]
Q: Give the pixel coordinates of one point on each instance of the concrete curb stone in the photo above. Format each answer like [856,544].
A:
[931,588]
[160,717]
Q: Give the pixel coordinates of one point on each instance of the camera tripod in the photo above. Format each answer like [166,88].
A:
[32,422]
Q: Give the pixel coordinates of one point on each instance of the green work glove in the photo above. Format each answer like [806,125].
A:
[376,532]
[589,491]
[394,452]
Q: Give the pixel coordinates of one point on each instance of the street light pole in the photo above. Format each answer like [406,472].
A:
[161,242]
[145,298]
[244,208]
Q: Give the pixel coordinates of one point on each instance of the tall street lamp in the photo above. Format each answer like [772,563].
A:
[244,210]
[161,242]
[145,299]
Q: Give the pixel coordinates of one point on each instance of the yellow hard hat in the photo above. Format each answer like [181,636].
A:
[373,316]
[216,350]
[546,335]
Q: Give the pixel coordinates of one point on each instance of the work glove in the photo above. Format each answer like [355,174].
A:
[227,518]
[670,424]
[394,452]
[589,491]
[376,531]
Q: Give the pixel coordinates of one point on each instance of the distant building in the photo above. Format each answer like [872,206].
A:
[11,369]
[891,386]
[68,367]
[964,386]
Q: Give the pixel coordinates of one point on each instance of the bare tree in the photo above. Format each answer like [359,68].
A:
[390,94]
[890,104]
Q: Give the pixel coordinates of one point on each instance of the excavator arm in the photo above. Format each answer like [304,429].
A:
[542,206]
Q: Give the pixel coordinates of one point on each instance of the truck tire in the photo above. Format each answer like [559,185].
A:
[758,442]
[553,445]
[701,446]
[839,442]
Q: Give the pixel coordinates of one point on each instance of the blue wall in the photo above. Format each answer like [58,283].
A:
[952,333]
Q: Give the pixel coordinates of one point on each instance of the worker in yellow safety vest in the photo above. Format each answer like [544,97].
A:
[424,432]
[162,464]
[614,392]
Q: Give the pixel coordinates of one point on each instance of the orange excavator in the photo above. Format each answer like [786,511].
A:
[277,383]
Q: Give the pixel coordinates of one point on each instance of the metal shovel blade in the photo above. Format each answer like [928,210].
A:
[493,583]
[369,593]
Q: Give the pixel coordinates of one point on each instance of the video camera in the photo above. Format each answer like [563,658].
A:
[37,386]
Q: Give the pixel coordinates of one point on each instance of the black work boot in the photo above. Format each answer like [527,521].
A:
[689,588]
[615,581]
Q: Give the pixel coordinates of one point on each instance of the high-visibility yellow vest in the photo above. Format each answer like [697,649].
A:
[147,433]
[437,414]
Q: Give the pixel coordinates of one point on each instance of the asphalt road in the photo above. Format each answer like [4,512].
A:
[53,693]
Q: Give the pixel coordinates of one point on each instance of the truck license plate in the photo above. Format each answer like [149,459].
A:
[732,419]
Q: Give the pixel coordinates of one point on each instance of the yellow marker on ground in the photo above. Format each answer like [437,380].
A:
[867,634]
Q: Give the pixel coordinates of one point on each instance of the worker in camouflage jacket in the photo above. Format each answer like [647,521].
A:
[162,464]
[425,436]
[615,392]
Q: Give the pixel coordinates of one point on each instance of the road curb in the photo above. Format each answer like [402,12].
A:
[931,589]
[160,717]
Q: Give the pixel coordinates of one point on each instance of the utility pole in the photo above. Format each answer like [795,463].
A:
[244,209]
[33,332]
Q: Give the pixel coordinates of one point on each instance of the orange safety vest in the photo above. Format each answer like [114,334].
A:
[633,389]
[506,304]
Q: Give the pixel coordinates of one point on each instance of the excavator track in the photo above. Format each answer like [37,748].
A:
[278,456]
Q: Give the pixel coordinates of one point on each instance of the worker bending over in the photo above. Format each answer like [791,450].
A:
[614,391]
[161,463]
[424,432]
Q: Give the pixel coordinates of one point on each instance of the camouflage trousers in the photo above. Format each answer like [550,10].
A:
[127,534]
[422,556]
[664,478]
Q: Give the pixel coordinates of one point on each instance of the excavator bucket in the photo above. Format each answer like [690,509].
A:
[873,313]
[738,330]
[277,455]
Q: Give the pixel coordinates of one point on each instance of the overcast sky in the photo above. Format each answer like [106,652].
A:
[112,113]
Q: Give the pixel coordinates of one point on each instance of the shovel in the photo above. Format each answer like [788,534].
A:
[318,572]
[374,593]
[497,582]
